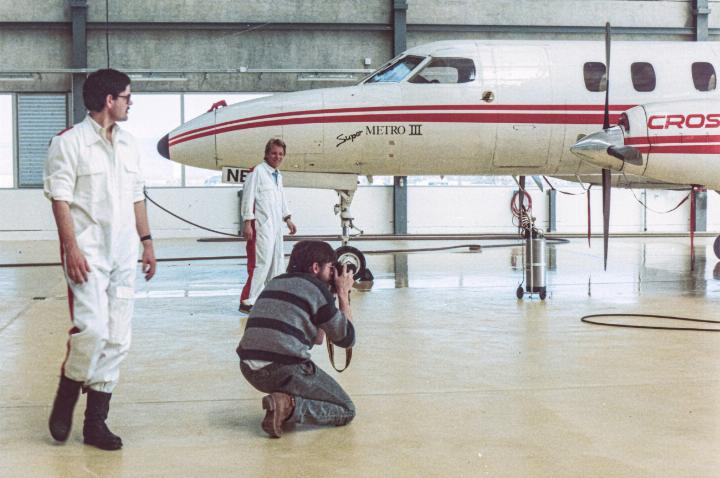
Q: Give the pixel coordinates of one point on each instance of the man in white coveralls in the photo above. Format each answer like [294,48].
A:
[264,209]
[92,177]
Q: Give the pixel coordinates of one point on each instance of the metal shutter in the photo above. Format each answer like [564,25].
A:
[40,117]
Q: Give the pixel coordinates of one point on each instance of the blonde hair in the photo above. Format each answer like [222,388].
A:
[275,142]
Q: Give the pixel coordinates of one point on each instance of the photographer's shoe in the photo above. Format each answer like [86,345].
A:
[245,307]
[279,407]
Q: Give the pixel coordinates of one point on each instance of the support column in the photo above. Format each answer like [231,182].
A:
[78,11]
[399,182]
[701,12]
[552,210]
[700,210]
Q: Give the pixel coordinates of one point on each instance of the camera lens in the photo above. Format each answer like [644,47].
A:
[350,267]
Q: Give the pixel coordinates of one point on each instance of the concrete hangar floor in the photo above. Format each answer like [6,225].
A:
[451,375]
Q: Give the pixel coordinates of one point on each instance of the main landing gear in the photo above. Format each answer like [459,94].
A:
[352,257]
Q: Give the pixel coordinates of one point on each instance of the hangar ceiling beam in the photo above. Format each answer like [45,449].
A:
[78,10]
[544,29]
[363,27]
[399,182]
[213,26]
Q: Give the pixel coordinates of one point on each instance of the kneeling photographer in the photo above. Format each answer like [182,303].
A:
[291,315]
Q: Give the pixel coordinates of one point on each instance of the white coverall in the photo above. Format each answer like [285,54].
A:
[101,182]
[263,201]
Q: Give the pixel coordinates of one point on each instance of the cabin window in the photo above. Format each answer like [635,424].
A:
[397,71]
[594,75]
[703,75]
[643,76]
[446,70]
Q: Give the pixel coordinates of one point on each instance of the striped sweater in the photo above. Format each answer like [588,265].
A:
[285,319]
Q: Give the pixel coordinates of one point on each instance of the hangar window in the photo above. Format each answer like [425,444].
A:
[703,74]
[594,76]
[643,76]
[152,116]
[446,70]
[397,71]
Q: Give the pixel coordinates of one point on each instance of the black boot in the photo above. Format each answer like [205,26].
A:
[95,431]
[63,406]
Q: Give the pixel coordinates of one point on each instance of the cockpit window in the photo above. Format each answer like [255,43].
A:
[397,71]
[703,76]
[446,70]
[594,76]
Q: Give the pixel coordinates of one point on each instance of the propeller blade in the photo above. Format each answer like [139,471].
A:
[606,213]
[627,154]
[606,117]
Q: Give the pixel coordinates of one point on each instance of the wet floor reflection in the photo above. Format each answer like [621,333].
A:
[635,266]
[400,261]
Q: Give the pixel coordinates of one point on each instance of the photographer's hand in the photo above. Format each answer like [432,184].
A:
[343,285]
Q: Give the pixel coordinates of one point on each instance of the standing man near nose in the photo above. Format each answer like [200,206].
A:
[264,209]
[92,176]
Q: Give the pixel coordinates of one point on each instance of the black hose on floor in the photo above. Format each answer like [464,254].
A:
[471,247]
[587,320]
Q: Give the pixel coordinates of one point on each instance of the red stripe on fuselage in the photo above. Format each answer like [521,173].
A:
[408,108]
[686,149]
[533,118]
[712,138]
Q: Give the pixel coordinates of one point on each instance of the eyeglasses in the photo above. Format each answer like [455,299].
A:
[126,97]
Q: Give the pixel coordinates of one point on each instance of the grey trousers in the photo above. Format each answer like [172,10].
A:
[319,400]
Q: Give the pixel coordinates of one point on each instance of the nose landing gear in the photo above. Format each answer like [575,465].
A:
[349,255]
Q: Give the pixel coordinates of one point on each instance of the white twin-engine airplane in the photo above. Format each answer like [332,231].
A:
[485,108]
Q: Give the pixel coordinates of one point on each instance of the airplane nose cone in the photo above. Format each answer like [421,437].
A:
[591,146]
[163,146]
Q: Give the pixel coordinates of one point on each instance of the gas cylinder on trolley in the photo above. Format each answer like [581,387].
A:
[535,273]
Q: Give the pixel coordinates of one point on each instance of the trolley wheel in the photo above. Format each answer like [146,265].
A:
[543,293]
[519,292]
[353,259]
[716,247]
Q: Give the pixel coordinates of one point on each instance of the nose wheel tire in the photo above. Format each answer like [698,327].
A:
[355,261]
[716,247]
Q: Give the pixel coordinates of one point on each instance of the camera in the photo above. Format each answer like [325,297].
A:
[350,267]
[338,268]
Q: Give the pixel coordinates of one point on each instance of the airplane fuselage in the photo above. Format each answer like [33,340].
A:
[493,108]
